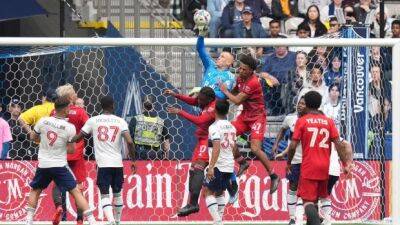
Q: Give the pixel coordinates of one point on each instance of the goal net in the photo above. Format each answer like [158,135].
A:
[362,74]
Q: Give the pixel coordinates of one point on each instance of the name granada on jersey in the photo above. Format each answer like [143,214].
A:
[54,125]
[317,121]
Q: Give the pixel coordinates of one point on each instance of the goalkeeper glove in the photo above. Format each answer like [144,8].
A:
[203,30]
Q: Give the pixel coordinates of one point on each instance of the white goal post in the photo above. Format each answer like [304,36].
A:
[394,43]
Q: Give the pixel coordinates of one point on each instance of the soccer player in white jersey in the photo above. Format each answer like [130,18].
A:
[332,110]
[108,130]
[55,136]
[222,134]
[293,176]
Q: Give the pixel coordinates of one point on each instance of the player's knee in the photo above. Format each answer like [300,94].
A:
[104,190]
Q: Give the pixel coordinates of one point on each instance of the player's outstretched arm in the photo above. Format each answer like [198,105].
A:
[197,120]
[187,99]
[131,150]
[204,56]
[282,154]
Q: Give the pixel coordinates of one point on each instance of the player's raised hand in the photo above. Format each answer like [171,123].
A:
[173,110]
[133,167]
[169,92]
[210,173]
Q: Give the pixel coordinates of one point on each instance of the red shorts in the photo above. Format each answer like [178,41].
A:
[312,190]
[201,150]
[79,169]
[256,127]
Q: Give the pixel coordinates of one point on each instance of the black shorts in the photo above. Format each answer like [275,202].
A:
[294,174]
[62,176]
[220,182]
[110,177]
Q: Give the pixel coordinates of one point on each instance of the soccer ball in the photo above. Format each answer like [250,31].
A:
[202,18]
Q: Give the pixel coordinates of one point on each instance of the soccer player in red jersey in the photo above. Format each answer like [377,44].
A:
[206,102]
[253,117]
[78,117]
[316,133]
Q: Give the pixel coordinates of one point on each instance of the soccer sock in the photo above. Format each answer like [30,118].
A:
[292,201]
[196,178]
[30,212]
[312,215]
[57,197]
[299,211]
[89,216]
[326,210]
[107,208]
[221,205]
[118,205]
[212,206]
[79,214]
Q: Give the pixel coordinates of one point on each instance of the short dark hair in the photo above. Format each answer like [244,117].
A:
[222,107]
[313,100]
[61,103]
[333,18]
[107,102]
[334,85]
[275,21]
[303,26]
[248,60]
[317,66]
[208,92]
[396,22]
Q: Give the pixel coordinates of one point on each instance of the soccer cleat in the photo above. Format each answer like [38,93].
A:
[79,222]
[292,222]
[57,215]
[187,210]
[242,168]
[274,183]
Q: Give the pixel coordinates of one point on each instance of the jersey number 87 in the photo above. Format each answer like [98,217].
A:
[102,133]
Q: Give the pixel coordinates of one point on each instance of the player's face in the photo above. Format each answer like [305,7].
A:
[203,100]
[301,106]
[245,71]
[224,60]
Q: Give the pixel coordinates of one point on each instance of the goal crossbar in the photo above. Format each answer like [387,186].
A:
[232,42]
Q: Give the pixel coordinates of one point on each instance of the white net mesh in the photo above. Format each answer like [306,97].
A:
[160,187]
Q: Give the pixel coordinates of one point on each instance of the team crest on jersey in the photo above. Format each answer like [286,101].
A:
[15,177]
[359,195]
